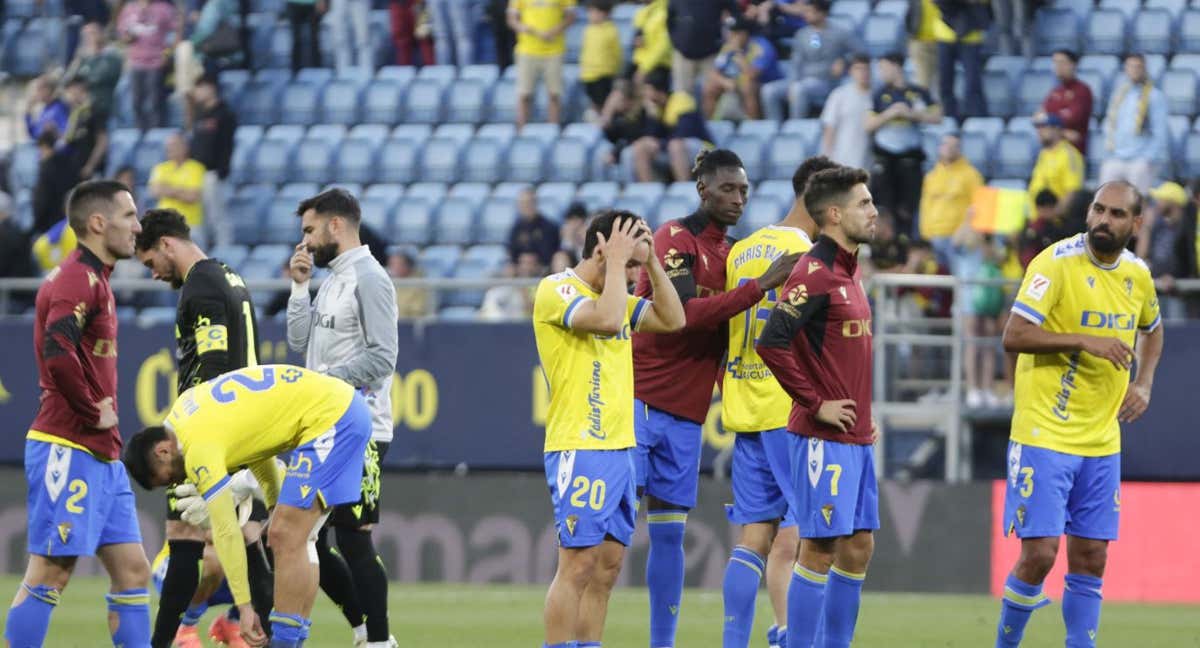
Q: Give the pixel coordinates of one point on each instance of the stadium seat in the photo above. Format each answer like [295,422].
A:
[443,75]
[1098,83]
[752,150]
[990,127]
[543,132]
[760,212]
[1032,91]
[500,133]
[482,161]
[883,34]
[383,101]
[589,133]
[1155,64]
[780,190]
[330,133]
[465,101]
[1173,7]
[524,160]
[1151,31]
[375,133]
[232,255]
[312,161]
[598,195]
[509,189]
[784,155]
[567,161]
[439,160]
[280,225]
[297,191]
[412,222]
[635,205]
[385,190]
[809,129]
[856,10]
[977,148]
[23,169]
[355,160]
[1189,31]
[401,73]
[671,208]
[486,73]
[553,198]
[454,222]
[651,192]
[721,131]
[1180,87]
[491,257]
[245,213]
[1014,155]
[896,8]
[458,314]
[763,128]
[121,143]
[317,76]
[1055,29]
[423,102]
[260,103]
[377,213]
[496,218]
[28,53]
[397,161]
[1021,124]
[1106,32]
[438,261]
[430,192]
[340,101]
[503,101]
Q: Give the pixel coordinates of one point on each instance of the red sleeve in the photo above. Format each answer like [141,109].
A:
[803,297]
[710,312]
[72,305]
[676,249]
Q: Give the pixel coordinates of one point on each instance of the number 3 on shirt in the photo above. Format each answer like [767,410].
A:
[592,489]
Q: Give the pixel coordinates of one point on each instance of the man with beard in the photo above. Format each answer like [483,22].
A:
[1073,325]
[215,332]
[349,331]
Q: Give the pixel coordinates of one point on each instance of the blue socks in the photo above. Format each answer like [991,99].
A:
[132,608]
[806,594]
[193,614]
[664,574]
[1081,610]
[776,637]
[27,622]
[565,644]
[843,593]
[742,574]
[288,630]
[1020,600]
[589,644]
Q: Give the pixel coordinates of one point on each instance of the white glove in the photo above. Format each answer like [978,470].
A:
[243,486]
[192,507]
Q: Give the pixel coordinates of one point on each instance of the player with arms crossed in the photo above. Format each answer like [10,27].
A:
[674,373]
[215,332]
[817,343]
[754,406]
[1073,324]
[80,502]
[582,319]
[245,418]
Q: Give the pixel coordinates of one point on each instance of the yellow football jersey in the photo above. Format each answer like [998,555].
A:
[247,416]
[752,400]
[1068,401]
[590,376]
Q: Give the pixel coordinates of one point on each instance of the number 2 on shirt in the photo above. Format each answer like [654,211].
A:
[224,392]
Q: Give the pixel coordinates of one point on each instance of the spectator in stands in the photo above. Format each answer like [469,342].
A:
[960,41]
[57,174]
[843,138]
[946,194]
[539,53]
[574,227]
[454,29]
[505,40]
[532,232]
[695,30]
[895,122]
[565,259]
[746,62]
[99,65]
[350,50]
[43,109]
[81,13]
[1070,100]
[779,21]
[600,56]
[1045,226]
[977,257]
[145,27]
[819,53]
[128,177]
[922,42]
[412,29]
[651,40]
[53,245]
[1135,129]
[675,127]
[512,302]
[212,145]
[1060,166]
[215,39]
[305,18]
[625,118]
[1014,26]
[15,260]
[86,137]
[1163,245]
[178,183]
[412,302]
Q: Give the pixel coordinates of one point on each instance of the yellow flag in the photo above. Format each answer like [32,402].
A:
[999,211]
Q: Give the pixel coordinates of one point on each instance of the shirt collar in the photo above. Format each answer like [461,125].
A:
[348,258]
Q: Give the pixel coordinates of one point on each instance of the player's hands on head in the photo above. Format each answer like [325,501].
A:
[618,246]
[779,271]
[301,264]
[1111,349]
[250,627]
[108,414]
[838,413]
[1137,399]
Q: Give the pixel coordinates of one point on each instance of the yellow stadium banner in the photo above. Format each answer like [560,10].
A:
[999,211]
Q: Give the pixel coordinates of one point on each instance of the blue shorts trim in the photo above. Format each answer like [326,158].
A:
[761,478]
[76,503]
[593,495]
[1050,493]
[328,469]
[835,489]
[668,455]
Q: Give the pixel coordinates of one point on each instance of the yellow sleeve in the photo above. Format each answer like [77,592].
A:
[1149,319]
[556,302]
[269,479]
[205,467]
[231,549]
[1041,288]
[635,310]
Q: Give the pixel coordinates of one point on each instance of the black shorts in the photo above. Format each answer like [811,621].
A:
[258,512]
[366,509]
[598,91]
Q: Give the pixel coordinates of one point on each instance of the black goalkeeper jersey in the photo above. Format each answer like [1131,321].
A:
[215,326]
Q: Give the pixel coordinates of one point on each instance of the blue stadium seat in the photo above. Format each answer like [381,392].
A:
[574,42]
[233,255]
[1106,32]
[990,127]
[525,157]
[598,195]
[482,161]
[385,191]
[784,155]
[1180,87]
[1032,91]
[1152,30]
[1014,155]
[763,128]
[492,257]
[439,160]
[233,83]
[440,74]
[671,208]
[543,132]
[721,131]
[1173,7]
[809,129]
[454,222]
[465,101]
[317,76]
[487,73]
[752,150]
[331,133]
[1189,31]
[1155,64]
[356,159]
[589,133]
[460,133]
[423,102]
[496,218]
[553,198]
[297,191]
[412,222]
[430,192]
[458,314]
[311,162]
[353,188]
[271,161]
[260,103]
[121,142]
[896,8]
[383,101]
[1191,154]
[760,212]
[373,132]
[780,190]
[33,48]
[651,192]
[1105,64]
[635,205]
[279,44]
[340,102]
[1054,29]
[398,161]
[856,10]
[1189,62]
[415,133]
[567,160]
[148,152]
[500,133]
[511,189]
[23,172]
[882,34]
[503,101]
[401,73]
[273,254]
[476,192]
[1129,8]
[1099,85]
[281,225]
[438,261]
[1021,124]
[245,211]
[1041,64]
[977,148]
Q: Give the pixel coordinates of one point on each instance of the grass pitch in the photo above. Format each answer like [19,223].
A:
[497,616]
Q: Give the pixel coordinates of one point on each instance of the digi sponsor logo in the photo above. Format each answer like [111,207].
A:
[1112,321]
[856,328]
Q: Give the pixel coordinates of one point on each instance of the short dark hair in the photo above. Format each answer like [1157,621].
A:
[601,5]
[1136,208]
[48,138]
[333,202]
[157,223]
[821,5]
[126,168]
[603,223]
[859,57]
[806,169]
[1069,53]
[1133,55]
[138,449]
[76,80]
[659,78]
[830,186]
[709,160]
[1045,198]
[89,197]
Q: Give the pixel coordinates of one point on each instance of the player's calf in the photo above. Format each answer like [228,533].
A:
[29,617]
